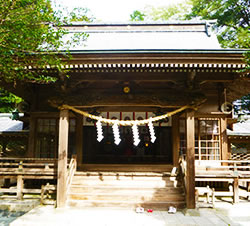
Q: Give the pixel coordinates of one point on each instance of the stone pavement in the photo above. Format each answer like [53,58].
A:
[224,213]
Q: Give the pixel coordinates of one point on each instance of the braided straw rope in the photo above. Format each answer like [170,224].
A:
[125,122]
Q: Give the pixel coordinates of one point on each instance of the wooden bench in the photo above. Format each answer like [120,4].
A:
[210,194]
[226,171]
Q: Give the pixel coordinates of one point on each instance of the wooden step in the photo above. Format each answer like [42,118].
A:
[125,204]
[117,183]
[124,190]
[110,173]
[126,167]
[120,178]
[127,197]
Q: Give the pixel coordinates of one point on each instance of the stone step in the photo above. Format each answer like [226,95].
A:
[117,204]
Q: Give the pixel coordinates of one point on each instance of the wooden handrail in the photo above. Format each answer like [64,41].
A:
[71,171]
[224,161]
[29,159]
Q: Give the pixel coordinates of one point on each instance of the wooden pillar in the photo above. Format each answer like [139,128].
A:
[224,140]
[190,171]
[175,139]
[62,158]
[32,135]
[79,143]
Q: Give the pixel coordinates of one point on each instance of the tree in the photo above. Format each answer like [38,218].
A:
[242,106]
[31,34]
[137,16]
[164,13]
[8,101]
[161,13]
[233,23]
[233,19]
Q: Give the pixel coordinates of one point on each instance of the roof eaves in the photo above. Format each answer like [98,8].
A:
[157,51]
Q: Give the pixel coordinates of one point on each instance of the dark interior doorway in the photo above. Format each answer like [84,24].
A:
[107,152]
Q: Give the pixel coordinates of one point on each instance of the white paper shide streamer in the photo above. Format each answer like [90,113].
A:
[99,131]
[135,134]
[151,131]
[116,133]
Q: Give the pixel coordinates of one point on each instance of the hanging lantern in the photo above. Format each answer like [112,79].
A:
[135,134]
[99,131]
[151,131]
[116,133]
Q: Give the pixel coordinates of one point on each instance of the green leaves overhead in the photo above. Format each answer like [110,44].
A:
[31,34]
[233,19]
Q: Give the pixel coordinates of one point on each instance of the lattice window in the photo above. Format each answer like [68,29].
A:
[207,139]
[47,138]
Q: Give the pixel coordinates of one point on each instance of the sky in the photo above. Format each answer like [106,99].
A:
[113,10]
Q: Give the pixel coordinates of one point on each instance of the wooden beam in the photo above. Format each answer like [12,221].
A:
[62,158]
[79,138]
[98,99]
[224,140]
[175,139]
[190,175]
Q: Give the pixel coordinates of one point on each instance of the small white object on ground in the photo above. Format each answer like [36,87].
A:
[139,210]
[171,209]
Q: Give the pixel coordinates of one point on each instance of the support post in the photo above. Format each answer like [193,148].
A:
[190,171]
[19,187]
[175,139]
[236,190]
[79,143]
[224,140]
[62,158]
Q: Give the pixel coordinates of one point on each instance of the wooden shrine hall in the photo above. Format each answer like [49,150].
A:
[136,97]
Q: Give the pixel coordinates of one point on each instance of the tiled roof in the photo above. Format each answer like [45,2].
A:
[6,124]
[149,36]
[240,129]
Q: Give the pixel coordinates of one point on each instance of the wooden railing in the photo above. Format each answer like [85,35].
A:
[71,171]
[230,171]
[26,168]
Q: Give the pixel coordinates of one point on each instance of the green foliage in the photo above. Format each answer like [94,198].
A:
[30,34]
[79,15]
[164,13]
[233,20]
[233,23]
[242,106]
[137,16]
[8,101]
